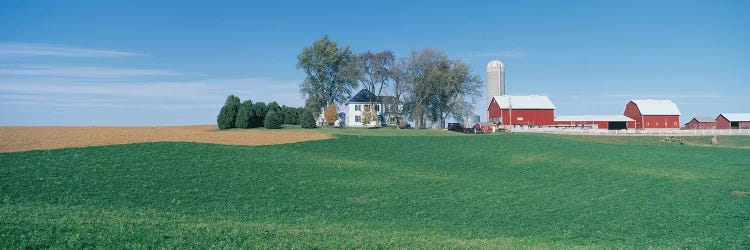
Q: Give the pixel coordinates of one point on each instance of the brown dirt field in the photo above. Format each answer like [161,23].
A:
[13,139]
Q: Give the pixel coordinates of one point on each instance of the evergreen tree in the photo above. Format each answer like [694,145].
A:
[273,120]
[227,117]
[245,115]
[260,109]
[307,119]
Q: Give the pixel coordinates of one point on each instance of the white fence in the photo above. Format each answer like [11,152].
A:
[633,132]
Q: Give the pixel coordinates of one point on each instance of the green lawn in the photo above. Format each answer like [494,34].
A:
[725,141]
[487,191]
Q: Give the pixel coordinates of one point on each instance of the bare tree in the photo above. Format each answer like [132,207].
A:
[373,72]
[327,80]
[439,87]
[400,85]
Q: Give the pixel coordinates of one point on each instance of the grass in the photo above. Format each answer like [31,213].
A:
[518,191]
[725,141]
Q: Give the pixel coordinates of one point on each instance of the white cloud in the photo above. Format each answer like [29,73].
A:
[79,71]
[32,49]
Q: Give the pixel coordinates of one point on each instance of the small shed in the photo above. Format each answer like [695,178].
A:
[701,123]
[733,121]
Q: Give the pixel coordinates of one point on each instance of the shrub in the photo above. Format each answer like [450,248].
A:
[245,115]
[331,115]
[307,119]
[227,117]
[260,109]
[291,115]
[366,116]
[273,120]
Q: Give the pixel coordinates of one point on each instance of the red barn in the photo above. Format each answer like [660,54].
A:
[653,114]
[733,121]
[701,123]
[531,110]
[610,122]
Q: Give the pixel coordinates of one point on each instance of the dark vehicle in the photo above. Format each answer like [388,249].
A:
[476,129]
[455,127]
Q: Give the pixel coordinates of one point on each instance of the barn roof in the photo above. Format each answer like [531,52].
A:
[736,117]
[657,107]
[524,102]
[590,118]
[704,119]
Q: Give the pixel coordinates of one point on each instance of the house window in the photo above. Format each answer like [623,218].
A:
[377,108]
[367,107]
[675,124]
[358,118]
[357,107]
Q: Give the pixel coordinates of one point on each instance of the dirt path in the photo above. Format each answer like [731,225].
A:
[14,139]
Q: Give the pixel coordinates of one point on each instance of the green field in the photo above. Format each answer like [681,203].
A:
[357,191]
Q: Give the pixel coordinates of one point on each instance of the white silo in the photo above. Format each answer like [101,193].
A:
[495,80]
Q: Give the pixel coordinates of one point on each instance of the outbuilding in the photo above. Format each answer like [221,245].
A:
[653,114]
[733,121]
[609,122]
[529,110]
[701,123]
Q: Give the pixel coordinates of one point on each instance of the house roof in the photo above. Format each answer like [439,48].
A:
[657,107]
[524,102]
[363,96]
[704,119]
[736,117]
[589,118]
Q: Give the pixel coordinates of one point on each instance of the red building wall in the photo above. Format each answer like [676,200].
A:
[493,110]
[695,124]
[631,110]
[650,121]
[534,117]
[723,123]
[661,121]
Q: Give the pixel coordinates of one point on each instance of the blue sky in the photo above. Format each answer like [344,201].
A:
[174,62]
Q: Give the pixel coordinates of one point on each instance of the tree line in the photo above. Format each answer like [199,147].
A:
[237,114]
[427,84]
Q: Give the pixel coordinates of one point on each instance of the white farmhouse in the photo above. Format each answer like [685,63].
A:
[361,102]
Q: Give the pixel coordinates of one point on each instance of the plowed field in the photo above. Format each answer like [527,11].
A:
[14,139]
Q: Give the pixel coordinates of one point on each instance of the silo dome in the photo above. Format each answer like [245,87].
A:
[495,64]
